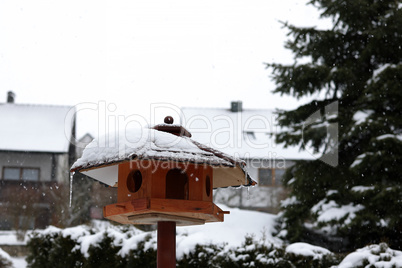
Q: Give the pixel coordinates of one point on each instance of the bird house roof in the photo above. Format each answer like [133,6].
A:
[152,144]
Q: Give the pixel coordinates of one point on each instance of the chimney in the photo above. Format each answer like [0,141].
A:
[10,97]
[236,106]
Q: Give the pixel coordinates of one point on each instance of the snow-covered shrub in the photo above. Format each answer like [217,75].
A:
[82,246]
[373,256]
[103,254]
[306,255]
[144,255]
[257,254]
[251,253]
[52,249]
[5,259]
[107,245]
[203,256]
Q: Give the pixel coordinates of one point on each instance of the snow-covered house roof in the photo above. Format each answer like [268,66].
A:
[36,128]
[82,143]
[144,144]
[245,133]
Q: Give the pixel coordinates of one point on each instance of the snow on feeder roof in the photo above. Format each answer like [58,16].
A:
[164,142]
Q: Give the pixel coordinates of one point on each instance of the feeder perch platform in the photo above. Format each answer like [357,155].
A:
[151,210]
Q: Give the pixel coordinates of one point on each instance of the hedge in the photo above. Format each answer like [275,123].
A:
[125,247]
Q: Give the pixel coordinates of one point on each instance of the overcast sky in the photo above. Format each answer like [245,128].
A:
[127,55]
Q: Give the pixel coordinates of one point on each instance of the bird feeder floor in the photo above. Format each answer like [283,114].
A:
[154,218]
[151,210]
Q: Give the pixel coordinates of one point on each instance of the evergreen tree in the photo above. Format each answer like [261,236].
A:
[355,67]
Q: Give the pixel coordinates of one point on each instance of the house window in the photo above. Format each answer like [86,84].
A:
[270,176]
[265,177]
[30,174]
[12,174]
[20,173]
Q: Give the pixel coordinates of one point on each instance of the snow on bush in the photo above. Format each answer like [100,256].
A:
[126,246]
[328,211]
[122,246]
[244,240]
[238,224]
[307,250]
[289,202]
[362,189]
[373,256]
[361,116]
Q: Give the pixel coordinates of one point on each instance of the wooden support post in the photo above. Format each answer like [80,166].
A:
[166,252]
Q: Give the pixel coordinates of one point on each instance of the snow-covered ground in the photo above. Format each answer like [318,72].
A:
[19,262]
[232,232]
[10,238]
[16,262]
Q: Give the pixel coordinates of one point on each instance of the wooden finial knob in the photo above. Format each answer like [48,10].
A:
[168,120]
[172,129]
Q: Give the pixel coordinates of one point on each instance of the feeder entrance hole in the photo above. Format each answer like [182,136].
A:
[134,181]
[176,184]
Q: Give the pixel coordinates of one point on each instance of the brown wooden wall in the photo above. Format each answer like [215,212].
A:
[154,178]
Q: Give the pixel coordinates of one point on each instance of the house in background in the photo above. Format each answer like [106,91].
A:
[35,156]
[246,134]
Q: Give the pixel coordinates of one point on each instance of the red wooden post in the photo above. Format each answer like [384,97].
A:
[166,252]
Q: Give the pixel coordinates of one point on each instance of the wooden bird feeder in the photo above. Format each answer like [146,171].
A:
[162,177]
